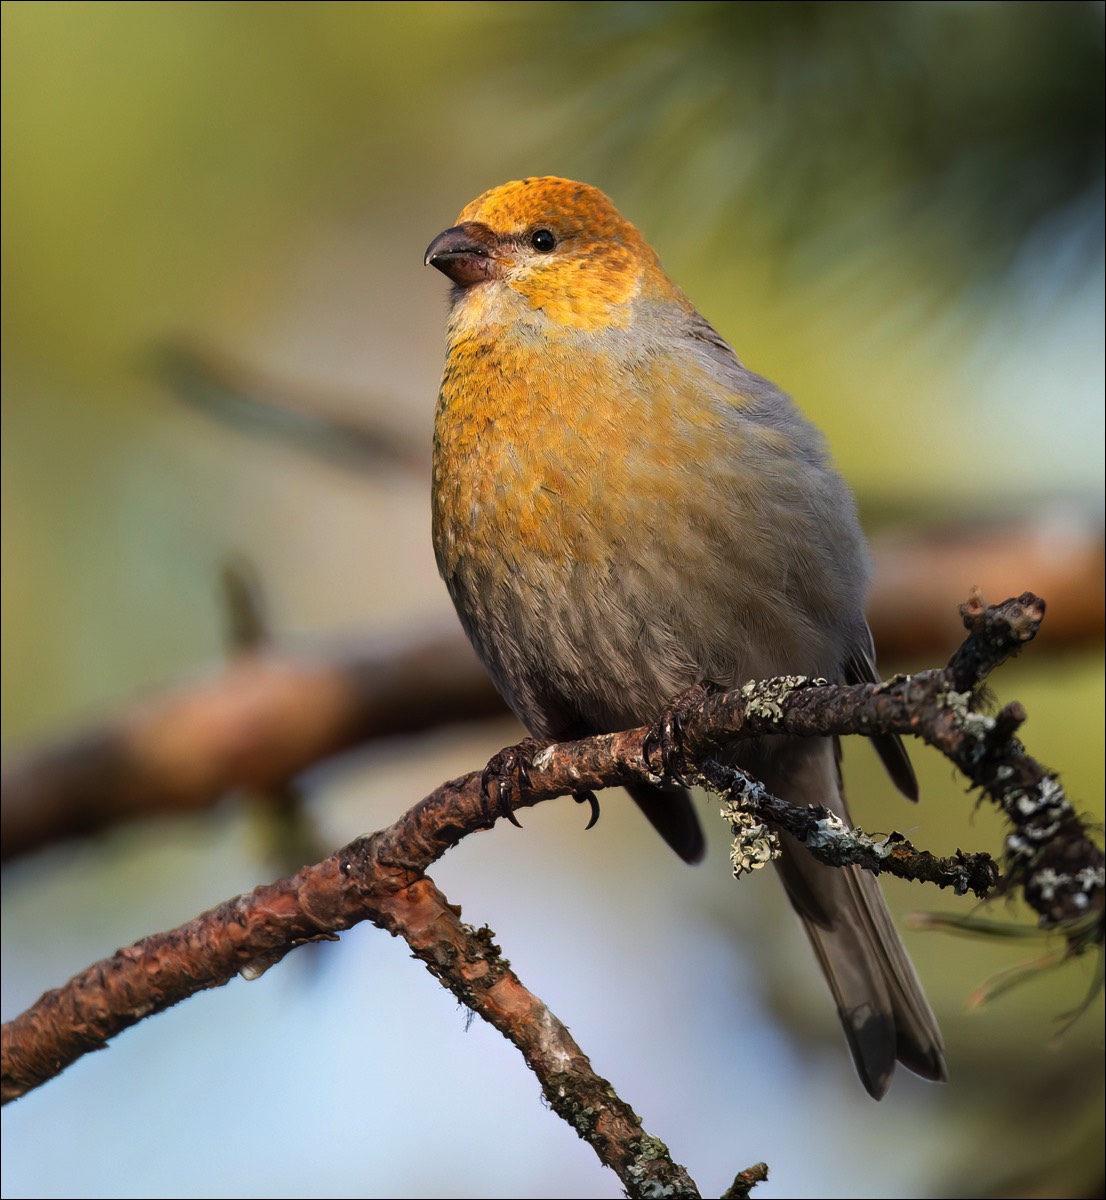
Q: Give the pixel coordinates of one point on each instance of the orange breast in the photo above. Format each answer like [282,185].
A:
[562,455]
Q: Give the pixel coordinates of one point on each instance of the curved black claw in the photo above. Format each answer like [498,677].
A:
[591,798]
[666,735]
[507,771]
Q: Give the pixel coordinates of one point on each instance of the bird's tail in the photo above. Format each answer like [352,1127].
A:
[879,998]
[672,815]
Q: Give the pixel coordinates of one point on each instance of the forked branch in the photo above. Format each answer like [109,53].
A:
[381,878]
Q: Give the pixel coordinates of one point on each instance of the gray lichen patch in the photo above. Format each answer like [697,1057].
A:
[765,698]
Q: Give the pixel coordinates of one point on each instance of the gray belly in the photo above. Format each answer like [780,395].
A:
[592,647]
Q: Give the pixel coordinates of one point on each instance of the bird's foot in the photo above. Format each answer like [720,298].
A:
[666,735]
[508,772]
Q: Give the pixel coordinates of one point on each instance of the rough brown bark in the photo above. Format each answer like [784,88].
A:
[381,878]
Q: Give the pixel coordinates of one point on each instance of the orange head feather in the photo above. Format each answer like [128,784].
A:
[559,248]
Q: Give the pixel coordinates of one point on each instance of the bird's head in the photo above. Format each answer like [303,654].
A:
[548,249]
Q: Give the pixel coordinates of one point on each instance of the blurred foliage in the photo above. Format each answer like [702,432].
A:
[960,130]
[166,149]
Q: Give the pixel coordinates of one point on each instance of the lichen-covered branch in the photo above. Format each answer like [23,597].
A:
[748,805]
[381,878]
[470,964]
[1050,853]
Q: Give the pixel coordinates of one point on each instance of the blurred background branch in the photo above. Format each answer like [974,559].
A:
[335,431]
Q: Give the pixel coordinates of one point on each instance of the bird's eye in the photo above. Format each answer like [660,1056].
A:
[542,241]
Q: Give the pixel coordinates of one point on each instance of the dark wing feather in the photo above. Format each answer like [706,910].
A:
[860,667]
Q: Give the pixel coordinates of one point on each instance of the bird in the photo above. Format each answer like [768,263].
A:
[623,512]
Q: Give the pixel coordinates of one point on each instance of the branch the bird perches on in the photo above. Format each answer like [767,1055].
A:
[1049,856]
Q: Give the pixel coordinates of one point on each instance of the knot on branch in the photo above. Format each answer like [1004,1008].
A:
[995,633]
[745,1181]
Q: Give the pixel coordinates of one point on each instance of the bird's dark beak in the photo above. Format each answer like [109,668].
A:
[464,253]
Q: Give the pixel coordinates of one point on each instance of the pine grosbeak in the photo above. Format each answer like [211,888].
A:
[622,511]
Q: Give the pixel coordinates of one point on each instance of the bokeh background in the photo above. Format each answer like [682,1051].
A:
[894,210]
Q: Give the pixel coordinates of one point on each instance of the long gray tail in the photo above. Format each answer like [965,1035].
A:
[880,1001]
